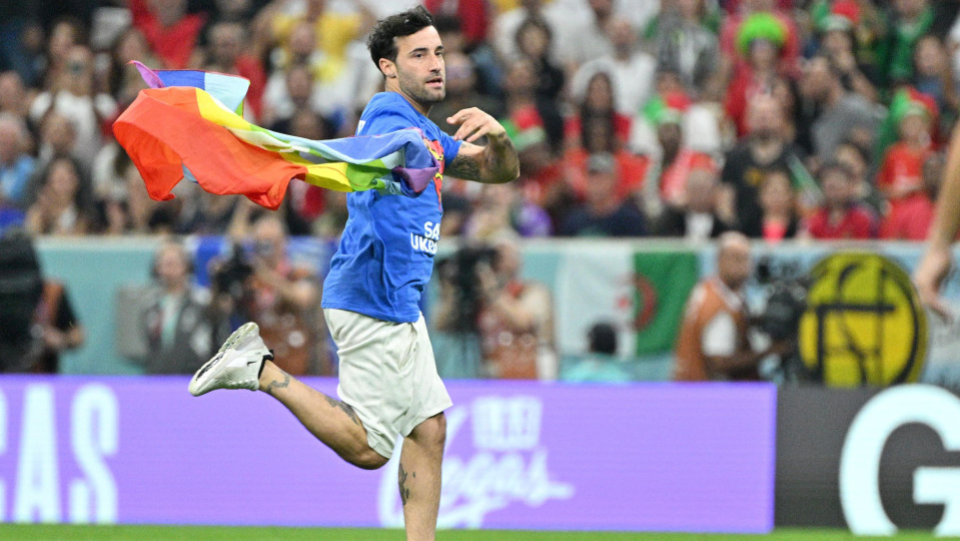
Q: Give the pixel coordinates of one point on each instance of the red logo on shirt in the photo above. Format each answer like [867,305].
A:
[436,149]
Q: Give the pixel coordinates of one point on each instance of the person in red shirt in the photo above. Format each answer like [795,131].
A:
[840,216]
[732,28]
[761,41]
[599,128]
[170,30]
[901,173]
[912,218]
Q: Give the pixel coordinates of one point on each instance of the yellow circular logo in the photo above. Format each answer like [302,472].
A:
[864,323]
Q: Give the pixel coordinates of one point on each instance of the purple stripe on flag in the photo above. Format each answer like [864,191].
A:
[149,76]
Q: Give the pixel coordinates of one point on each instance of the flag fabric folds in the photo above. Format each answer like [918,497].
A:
[188,125]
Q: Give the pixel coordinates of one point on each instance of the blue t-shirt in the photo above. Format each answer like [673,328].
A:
[386,252]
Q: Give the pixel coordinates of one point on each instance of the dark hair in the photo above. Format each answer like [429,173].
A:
[603,339]
[382,41]
[447,23]
[533,22]
[589,116]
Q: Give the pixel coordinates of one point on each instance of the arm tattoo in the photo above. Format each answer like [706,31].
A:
[496,162]
[278,384]
[465,167]
[346,409]
[404,491]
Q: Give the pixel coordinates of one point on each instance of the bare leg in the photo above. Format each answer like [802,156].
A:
[419,477]
[329,420]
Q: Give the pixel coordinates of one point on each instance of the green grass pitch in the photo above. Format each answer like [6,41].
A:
[189,533]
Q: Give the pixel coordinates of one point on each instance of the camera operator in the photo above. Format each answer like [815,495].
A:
[713,342]
[496,315]
[37,321]
[283,299]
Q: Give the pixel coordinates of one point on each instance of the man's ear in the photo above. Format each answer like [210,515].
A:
[388,68]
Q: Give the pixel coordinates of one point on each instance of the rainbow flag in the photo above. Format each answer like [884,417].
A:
[187,125]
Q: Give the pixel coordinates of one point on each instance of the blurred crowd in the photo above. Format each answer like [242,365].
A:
[820,119]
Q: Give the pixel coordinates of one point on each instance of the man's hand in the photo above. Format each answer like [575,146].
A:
[474,124]
[494,163]
[929,276]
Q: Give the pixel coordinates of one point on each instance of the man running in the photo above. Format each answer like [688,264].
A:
[388,378]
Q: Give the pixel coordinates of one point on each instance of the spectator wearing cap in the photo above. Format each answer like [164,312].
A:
[840,217]
[603,214]
[911,219]
[535,128]
[732,35]
[900,175]
[839,24]
[760,41]
[672,158]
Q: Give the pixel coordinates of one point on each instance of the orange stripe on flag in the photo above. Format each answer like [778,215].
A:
[168,132]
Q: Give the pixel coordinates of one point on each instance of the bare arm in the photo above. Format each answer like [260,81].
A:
[936,261]
[494,163]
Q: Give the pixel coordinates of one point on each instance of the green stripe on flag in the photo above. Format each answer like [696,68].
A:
[662,281]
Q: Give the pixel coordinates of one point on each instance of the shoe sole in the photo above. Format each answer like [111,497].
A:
[212,368]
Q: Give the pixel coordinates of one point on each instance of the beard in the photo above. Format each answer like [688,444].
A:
[419,91]
[765,135]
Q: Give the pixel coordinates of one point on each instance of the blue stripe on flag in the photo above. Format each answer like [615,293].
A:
[193,78]
[227,89]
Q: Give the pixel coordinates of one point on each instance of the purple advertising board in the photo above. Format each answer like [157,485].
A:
[656,457]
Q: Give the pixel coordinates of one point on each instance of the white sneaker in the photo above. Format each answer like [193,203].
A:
[237,364]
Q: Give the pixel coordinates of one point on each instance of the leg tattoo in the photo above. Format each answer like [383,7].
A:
[346,409]
[404,491]
[278,384]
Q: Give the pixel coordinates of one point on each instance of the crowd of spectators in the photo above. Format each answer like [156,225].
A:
[819,119]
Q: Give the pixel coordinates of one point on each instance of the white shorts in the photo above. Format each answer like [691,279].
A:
[387,375]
